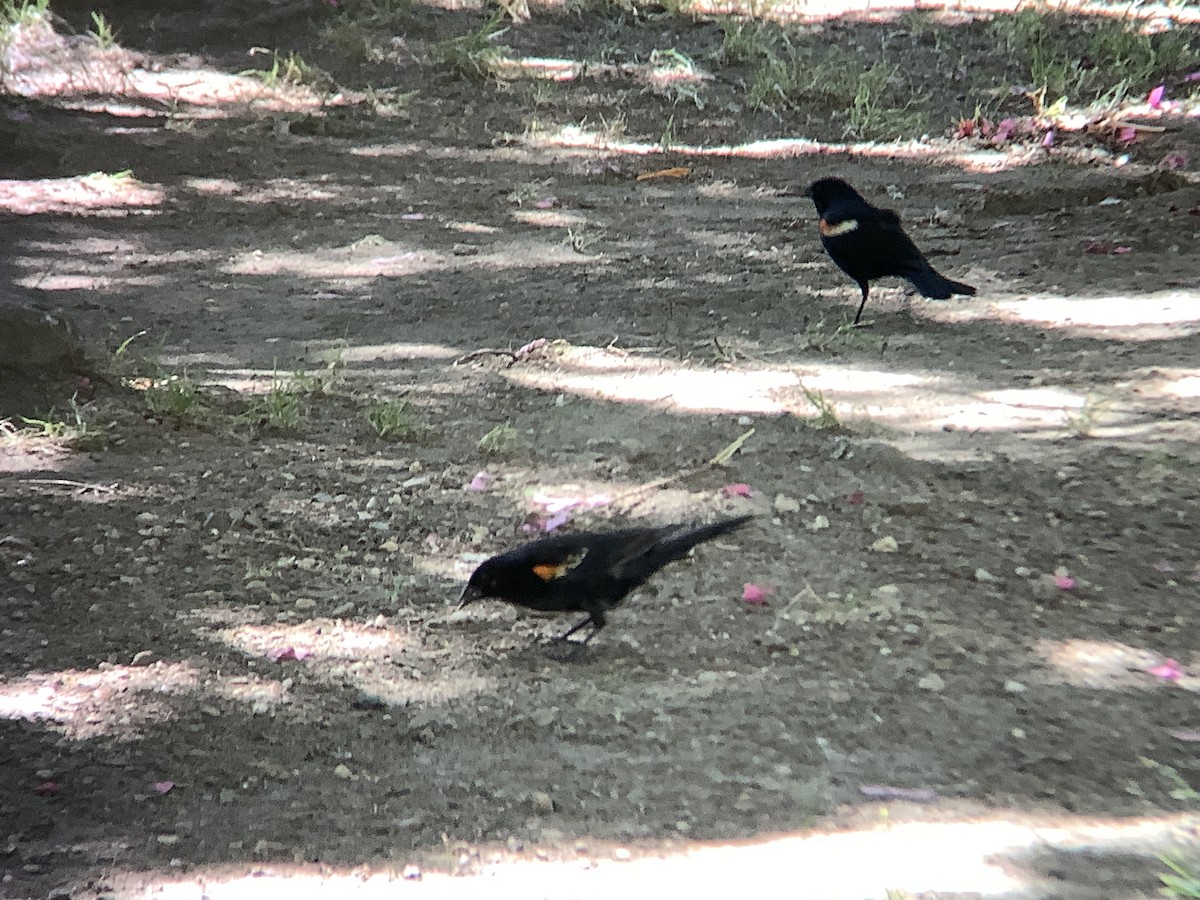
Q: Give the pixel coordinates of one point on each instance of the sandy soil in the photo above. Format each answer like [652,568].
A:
[230,649]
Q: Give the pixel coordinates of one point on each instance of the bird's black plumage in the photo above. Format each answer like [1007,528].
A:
[588,573]
[867,243]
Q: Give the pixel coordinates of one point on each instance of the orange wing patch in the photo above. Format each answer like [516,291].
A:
[831,230]
[551,571]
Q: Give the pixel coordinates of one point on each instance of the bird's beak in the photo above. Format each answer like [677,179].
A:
[469,595]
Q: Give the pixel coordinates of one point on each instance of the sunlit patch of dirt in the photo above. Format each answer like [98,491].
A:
[99,191]
[37,61]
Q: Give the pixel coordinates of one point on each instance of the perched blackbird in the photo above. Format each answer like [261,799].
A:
[868,243]
[588,573]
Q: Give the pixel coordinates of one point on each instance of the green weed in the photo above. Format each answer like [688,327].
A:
[15,15]
[288,71]
[102,32]
[279,408]
[72,430]
[175,397]
[474,54]
[666,140]
[826,409]
[501,439]
[1183,880]
[391,419]
[870,116]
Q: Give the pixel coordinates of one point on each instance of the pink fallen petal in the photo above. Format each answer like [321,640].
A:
[545,203]
[282,654]
[1191,735]
[1127,135]
[1168,671]
[1195,76]
[1106,248]
[558,520]
[856,498]
[1065,582]
[1156,96]
[1176,159]
[756,594]
[535,344]
[162,787]
[1006,129]
[47,789]
[1048,139]
[736,490]
[888,792]
[481,482]
[1163,566]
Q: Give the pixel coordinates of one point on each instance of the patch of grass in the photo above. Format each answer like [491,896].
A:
[14,14]
[288,71]
[73,429]
[1108,56]
[666,140]
[527,191]
[580,239]
[1180,790]
[676,75]
[870,116]
[102,32]
[826,417]
[391,419]
[279,408]
[747,42]
[501,439]
[474,54]
[819,336]
[316,384]
[1184,878]
[175,397]
[1082,423]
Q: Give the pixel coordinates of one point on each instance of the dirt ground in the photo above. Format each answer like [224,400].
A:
[230,650]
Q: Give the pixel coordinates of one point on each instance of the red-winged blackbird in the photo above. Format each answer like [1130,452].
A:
[588,573]
[868,243]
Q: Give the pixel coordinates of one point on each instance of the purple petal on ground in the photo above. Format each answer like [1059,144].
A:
[755,594]
[1168,671]
[481,482]
[1048,139]
[558,520]
[1156,96]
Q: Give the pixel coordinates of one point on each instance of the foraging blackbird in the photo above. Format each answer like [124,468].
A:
[868,243]
[589,573]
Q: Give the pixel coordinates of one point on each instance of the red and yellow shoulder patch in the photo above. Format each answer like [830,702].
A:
[551,571]
[828,229]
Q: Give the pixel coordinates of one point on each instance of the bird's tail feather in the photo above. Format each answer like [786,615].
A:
[936,286]
[678,544]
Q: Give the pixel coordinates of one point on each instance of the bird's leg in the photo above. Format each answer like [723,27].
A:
[866,289]
[565,636]
[595,619]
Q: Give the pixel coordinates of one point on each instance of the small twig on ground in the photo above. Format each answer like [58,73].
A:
[79,485]
[718,461]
